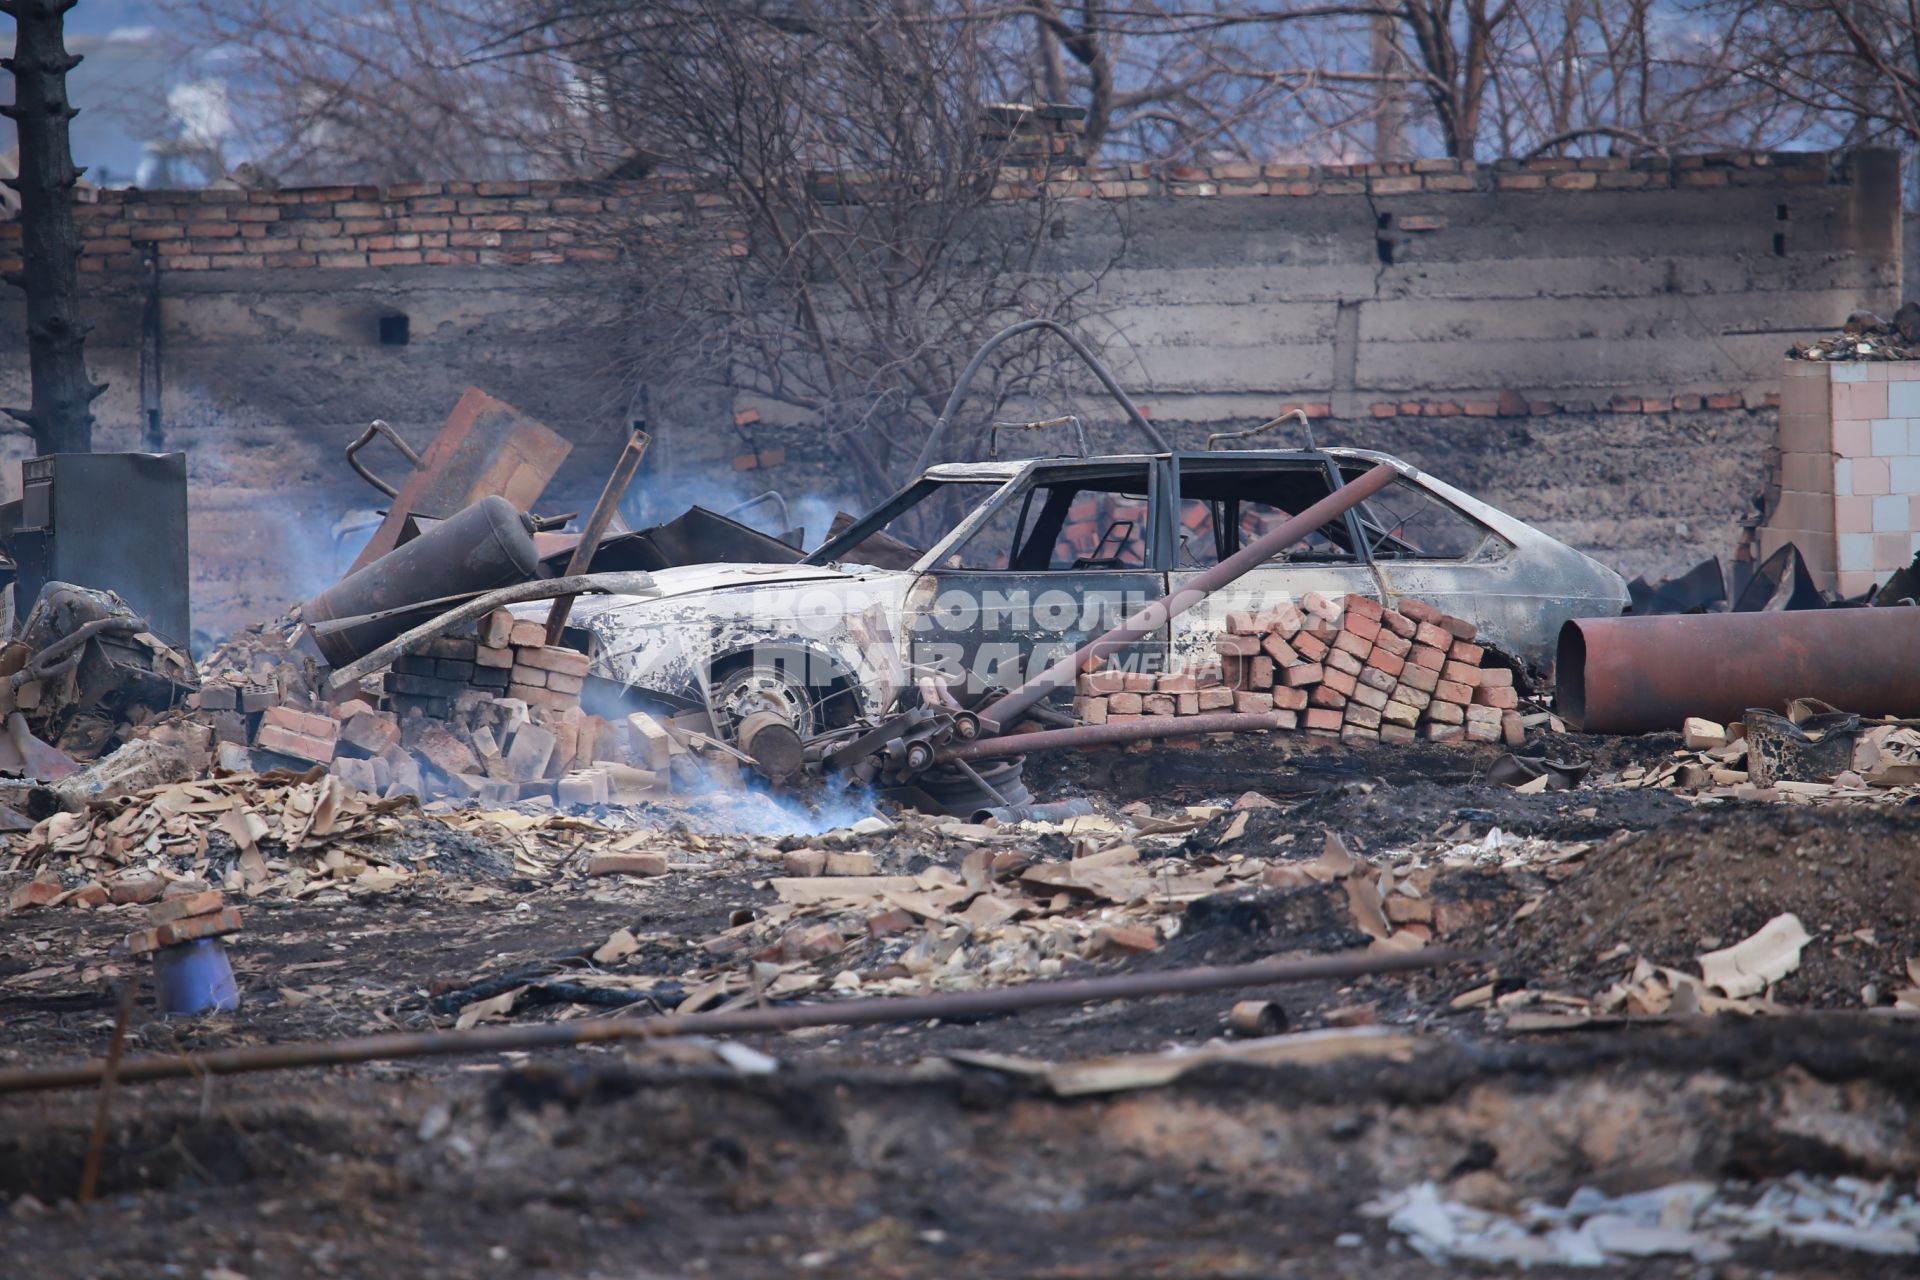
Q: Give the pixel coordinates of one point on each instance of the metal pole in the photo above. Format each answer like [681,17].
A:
[596,527]
[1013,705]
[1089,735]
[960,388]
[626,582]
[840,1013]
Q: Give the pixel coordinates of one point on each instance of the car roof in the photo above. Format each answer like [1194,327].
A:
[1004,469]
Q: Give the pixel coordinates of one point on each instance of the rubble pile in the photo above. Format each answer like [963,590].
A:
[1868,337]
[488,712]
[1361,673]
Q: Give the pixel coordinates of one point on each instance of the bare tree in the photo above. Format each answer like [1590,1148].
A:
[1852,65]
[837,247]
[61,417]
[391,90]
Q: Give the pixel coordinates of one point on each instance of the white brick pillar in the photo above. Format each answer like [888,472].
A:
[1849,470]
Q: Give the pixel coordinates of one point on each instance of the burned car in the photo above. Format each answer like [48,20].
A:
[979,574]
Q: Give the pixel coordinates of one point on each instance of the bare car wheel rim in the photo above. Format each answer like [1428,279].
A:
[754,689]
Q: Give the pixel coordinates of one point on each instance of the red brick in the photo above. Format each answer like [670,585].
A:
[1461,673]
[1467,652]
[1322,720]
[1279,650]
[1354,643]
[1418,611]
[1252,700]
[1338,681]
[1359,606]
[1386,662]
[566,661]
[1433,636]
[1453,691]
[1364,627]
[225,920]
[1388,642]
[1303,673]
[1459,628]
[1310,647]
[1290,699]
[1398,623]
[1502,699]
[1323,696]
[34,893]
[1418,678]
[1496,678]
[1427,656]
[1341,660]
[272,737]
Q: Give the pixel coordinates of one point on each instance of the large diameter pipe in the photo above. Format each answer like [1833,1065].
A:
[1645,675]
[1013,705]
[834,1013]
[1096,735]
[486,545]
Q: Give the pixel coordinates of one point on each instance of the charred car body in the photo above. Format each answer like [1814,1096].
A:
[980,574]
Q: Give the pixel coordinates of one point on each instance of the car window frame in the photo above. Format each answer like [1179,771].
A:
[1042,471]
[904,500]
[1479,550]
[1253,460]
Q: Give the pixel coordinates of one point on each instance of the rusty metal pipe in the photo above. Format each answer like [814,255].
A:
[1645,675]
[624,469]
[837,1013]
[1011,706]
[1095,735]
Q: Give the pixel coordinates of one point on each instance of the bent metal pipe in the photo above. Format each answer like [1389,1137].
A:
[838,1013]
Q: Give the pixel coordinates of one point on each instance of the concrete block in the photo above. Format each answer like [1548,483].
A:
[530,752]
[1890,514]
[1903,400]
[1888,435]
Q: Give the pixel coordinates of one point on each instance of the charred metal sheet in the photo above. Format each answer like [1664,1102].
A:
[1643,675]
[487,448]
[697,536]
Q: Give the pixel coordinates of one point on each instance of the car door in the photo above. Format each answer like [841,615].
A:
[1226,500]
[1065,553]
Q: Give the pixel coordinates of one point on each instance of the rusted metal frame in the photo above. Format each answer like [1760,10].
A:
[627,583]
[1644,675]
[839,1013]
[379,427]
[595,529]
[1008,709]
[937,435]
[1291,415]
[486,446]
[1090,735]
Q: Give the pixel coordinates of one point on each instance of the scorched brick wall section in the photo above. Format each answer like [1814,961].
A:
[1501,324]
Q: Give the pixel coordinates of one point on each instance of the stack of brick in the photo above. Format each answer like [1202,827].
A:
[491,713]
[1350,669]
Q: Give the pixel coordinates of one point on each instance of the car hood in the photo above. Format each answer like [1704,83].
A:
[691,579]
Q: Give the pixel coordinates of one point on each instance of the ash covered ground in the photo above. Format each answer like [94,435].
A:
[1573,1048]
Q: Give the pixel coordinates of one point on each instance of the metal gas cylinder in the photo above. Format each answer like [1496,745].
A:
[479,548]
